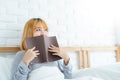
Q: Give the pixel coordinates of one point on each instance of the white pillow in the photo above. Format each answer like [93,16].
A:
[5,68]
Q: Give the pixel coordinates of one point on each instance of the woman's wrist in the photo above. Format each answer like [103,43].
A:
[66,60]
[26,62]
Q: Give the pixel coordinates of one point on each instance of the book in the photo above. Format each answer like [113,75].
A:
[42,43]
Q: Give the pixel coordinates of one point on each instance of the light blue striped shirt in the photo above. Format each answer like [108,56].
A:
[21,72]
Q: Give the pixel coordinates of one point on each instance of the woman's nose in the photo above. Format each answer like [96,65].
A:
[42,32]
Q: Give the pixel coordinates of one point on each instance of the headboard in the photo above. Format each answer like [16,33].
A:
[82,52]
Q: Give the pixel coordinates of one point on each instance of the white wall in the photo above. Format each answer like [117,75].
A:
[74,22]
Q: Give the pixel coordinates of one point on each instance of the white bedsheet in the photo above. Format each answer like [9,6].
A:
[109,72]
[53,73]
[46,73]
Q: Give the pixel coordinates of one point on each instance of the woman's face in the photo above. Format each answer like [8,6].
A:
[39,30]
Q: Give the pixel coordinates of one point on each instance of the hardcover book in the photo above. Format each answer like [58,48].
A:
[42,43]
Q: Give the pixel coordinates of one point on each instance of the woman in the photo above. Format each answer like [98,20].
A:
[22,65]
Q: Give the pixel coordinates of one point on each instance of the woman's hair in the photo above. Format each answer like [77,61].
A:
[28,30]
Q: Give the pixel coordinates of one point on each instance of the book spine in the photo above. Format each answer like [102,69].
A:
[46,47]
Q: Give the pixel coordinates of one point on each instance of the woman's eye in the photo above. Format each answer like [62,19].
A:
[37,29]
[41,30]
[45,29]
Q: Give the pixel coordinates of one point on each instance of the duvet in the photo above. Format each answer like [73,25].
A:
[109,72]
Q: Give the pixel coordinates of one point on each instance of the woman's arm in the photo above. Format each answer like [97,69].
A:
[64,64]
[19,69]
[21,72]
[65,69]
[21,63]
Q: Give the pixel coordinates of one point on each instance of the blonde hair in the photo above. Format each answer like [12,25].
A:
[28,30]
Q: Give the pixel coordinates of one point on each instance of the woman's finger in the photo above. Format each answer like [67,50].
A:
[55,54]
[32,48]
[54,46]
[53,50]
[36,51]
[36,54]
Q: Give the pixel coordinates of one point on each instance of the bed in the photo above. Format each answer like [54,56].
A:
[85,72]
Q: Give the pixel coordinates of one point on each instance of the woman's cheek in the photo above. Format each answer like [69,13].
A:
[37,34]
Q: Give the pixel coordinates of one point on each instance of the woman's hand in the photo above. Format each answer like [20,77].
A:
[30,55]
[57,51]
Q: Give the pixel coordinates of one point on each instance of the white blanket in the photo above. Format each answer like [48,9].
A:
[46,73]
[110,72]
[53,73]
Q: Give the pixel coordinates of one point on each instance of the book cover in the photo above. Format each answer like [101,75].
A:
[42,43]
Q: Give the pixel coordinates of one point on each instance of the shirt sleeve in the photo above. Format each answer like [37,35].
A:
[19,69]
[21,72]
[65,69]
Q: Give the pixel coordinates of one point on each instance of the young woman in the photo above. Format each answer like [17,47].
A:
[22,65]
